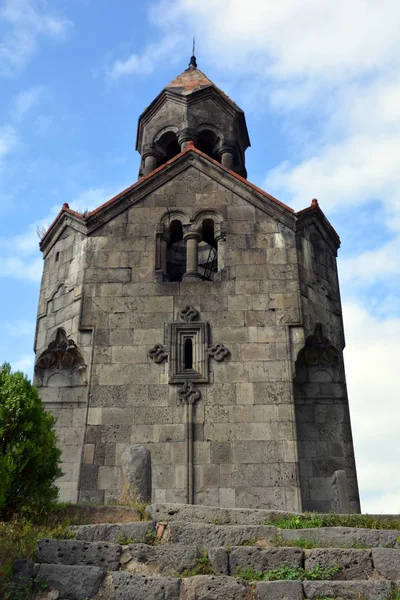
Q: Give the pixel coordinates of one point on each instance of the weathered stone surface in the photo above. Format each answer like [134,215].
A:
[213,514]
[263,559]
[136,469]
[387,562]
[165,560]
[127,586]
[73,582]
[208,587]
[219,560]
[211,536]
[115,532]
[74,552]
[345,536]
[351,590]
[354,564]
[22,572]
[279,590]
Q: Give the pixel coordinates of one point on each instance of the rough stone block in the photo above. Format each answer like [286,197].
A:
[162,560]
[127,586]
[387,562]
[212,536]
[74,552]
[354,564]
[73,582]
[345,537]
[348,590]
[264,559]
[279,590]
[208,587]
[115,532]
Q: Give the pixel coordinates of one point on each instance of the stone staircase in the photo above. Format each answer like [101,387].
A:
[158,559]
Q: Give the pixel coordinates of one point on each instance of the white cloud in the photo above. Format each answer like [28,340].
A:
[28,21]
[25,364]
[145,63]
[20,257]
[371,359]
[24,101]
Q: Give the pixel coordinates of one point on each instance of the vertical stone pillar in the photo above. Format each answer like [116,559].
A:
[220,238]
[150,163]
[192,239]
[227,154]
[186,138]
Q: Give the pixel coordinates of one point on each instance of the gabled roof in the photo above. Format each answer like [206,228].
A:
[314,211]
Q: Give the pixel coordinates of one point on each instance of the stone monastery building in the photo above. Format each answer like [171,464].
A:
[199,316]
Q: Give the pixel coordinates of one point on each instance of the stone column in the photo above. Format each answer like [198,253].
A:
[227,154]
[186,137]
[192,239]
[220,238]
[162,239]
[150,162]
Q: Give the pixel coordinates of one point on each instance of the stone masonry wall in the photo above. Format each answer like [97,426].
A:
[245,451]
[59,307]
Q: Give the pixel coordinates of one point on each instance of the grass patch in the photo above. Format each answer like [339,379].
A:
[149,538]
[18,539]
[288,573]
[202,566]
[310,520]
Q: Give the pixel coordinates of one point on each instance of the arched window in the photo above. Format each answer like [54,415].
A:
[207,141]
[169,146]
[208,255]
[176,252]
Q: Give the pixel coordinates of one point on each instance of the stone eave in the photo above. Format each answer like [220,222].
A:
[314,215]
[65,218]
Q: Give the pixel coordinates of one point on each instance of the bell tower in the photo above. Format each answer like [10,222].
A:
[199,316]
[192,109]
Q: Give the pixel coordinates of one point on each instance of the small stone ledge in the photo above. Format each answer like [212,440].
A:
[215,515]
[82,513]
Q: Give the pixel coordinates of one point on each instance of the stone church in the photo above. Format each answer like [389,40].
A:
[199,316]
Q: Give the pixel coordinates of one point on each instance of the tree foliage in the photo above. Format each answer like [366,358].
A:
[29,457]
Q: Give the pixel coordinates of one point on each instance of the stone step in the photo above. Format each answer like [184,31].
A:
[174,559]
[195,513]
[211,536]
[345,536]
[117,533]
[77,582]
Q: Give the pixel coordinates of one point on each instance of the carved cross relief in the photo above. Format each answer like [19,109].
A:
[188,352]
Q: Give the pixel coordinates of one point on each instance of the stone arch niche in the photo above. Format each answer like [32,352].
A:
[324,438]
[61,364]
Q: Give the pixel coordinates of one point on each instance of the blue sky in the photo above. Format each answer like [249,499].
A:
[320,84]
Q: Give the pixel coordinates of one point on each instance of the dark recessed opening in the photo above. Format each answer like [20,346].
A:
[57,256]
[188,353]
[176,252]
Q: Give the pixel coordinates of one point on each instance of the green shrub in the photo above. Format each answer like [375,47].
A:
[29,457]
[311,520]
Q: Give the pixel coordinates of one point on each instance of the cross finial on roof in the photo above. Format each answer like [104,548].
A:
[193,61]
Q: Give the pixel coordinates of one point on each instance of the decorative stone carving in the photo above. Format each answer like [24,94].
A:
[158,353]
[188,393]
[318,350]
[189,314]
[61,364]
[219,352]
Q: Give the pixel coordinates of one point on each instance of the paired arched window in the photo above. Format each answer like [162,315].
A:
[192,250]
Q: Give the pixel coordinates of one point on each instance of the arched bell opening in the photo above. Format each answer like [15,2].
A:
[176,252]
[208,254]
[207,142]
[168,146]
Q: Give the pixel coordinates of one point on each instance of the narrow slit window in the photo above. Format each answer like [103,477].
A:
[188,353]
[57,257]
